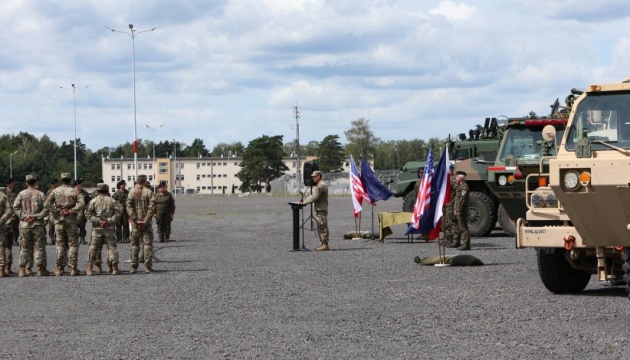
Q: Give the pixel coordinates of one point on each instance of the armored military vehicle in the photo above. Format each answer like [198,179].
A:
[579,213]
[472,154]
[522,147]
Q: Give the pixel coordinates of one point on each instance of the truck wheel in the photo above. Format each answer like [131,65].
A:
[506,223]
[480,214]
[626,268]
[557,274]
[409,201]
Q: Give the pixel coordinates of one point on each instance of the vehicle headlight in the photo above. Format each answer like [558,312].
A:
[551,200]
[571,180]
[502,180]
[537,200]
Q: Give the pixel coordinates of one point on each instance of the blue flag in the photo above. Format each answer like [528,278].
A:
[375,189]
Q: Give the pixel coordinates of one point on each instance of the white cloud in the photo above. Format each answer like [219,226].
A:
[453,11]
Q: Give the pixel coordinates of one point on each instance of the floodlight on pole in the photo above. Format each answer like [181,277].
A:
[11,163]
[74,89]
[133,33]
[154,162]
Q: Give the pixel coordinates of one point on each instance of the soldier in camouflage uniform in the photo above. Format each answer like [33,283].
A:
[6,213]
[78,185]
[460,210]
[51,224]
[164,212]
[103,212]
[29,207]
[140,207]
[319,199]
[122,225]
[13,228]
[64,203]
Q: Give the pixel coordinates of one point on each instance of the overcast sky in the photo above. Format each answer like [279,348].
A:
[232,70]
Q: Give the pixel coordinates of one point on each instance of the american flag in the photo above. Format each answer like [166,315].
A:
[356,188]
[424,193]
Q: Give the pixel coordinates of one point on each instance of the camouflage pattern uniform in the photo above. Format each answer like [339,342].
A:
[81,217]
[449,225]
[99,248]
[103,212]
[50,222]
[64,204]
[29,205]
[164,211]
[12,233]
[6,213]
[140,208]
[319,199]
[460,205]
[122,225]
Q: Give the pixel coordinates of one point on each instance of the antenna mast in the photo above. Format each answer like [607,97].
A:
[298,173]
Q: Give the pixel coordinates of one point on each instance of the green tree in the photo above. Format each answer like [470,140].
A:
[262,162]
[224,149]
[197,148]
[361,140]
[330,154]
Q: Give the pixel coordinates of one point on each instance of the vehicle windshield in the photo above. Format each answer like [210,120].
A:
[526,143]
[602,117]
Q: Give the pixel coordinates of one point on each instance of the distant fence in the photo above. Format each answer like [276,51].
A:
[338,183]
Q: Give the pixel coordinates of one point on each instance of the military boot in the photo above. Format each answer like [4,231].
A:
[88,270]
[41,271]
[110,267]
[98,268]
[161,237]
[7,269]
[22,272]
[465,245]
[134,269]
[58,271]
[2,273]
[148,269]
[454,244]
[322,247]
[74,271]
[29,271]
[115,270]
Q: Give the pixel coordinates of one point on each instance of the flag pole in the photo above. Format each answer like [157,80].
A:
[357,235]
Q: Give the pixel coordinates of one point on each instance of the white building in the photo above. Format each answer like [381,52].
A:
[202,175]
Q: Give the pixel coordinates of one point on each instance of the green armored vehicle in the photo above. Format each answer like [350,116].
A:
[472,154]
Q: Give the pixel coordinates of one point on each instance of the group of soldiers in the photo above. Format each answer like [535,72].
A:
[125,216]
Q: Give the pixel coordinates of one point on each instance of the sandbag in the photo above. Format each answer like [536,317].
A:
[453,260]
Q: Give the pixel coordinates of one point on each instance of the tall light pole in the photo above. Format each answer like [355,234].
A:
[298,173]
[154,163]
[74,89]
[133,33]
[11,163]
[175,160]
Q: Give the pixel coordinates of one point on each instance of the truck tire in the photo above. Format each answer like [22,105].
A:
[409,201]
[506,223]
[626,268]
[557,274]
[481,218]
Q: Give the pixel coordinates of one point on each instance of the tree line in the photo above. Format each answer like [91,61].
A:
[23,153]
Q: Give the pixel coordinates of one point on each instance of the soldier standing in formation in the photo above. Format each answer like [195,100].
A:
[103,212]
[51,224]
[6,213]
[460,210]
[64,203]
[140,207]
[13,228]
[122,225]
[319,199]
[164,212]
[78,185]
[29,208]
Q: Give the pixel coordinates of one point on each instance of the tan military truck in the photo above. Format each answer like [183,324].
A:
[579,214]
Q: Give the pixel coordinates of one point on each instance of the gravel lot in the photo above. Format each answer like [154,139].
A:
[230,288]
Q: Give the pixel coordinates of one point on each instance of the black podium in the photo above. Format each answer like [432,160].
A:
[295,207]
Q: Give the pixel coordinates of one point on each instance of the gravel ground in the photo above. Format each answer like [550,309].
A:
[229,287]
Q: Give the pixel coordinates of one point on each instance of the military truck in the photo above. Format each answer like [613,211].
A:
[578,217]
[522,147]
[472,154]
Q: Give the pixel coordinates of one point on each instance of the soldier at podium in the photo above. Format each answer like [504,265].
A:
[319,199]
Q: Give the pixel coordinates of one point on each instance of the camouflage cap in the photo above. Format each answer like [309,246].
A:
[3,189]
[316,173]
[460,173]
[162,183]
[31,178]
[66,176]
[102,187]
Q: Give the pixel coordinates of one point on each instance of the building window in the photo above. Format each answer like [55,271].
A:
[163,171]
[150,166]
[219,175]
[117,178]
[224,164]
[294,165]
[198,177]
[203,187]
[113,178]
[113,166]
[117,166]
[145,166]
[128,177]
[163,165]
[198,165]
[181,165]
[179,177]
[198,188]
[150,177]
[128,166]
[235,164]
